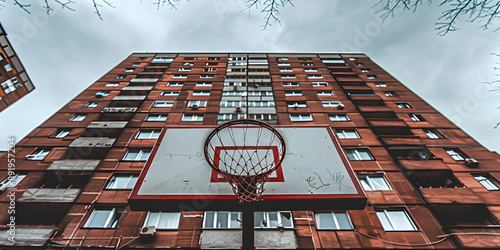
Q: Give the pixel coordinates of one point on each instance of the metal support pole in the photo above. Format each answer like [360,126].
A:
[247,232]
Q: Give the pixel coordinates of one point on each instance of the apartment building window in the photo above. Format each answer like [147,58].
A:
[229,117]
[396,220]
[129,70]
[125,182]
[184,69]
[163,220]
[232,104]
[219,219]
[91,104]
[209,70]
[290,84]
[206,76]
[487,181]
[287,76]
[163,104]
[169,93]
[234,93]
[283,59]
[192,118]
[8,86]
[293,93]
[360,64]
[416,118]
[381,85]
[307,64]
[338,118]
[156,118]
[311,70]
[179,76]
[455,154]
[112,84]
[235,84]
[175,84]
[330,104]
[365,70]
[187,64]
[148,134]
[301,118]
[286,70]
[204,84]
[296,104]
[11,181]
[200,104]
[213,58]
[137,155]
[104,218]
[120,76]
[314,76]
[374,183]
[260,93]
[136,64]
[78,118]
[359,155]
[263,117]
[433,134]
[38,154]
[201,93]
[102,93]
[211,63]
[162,60]
[390,93]
[347,134]
[333,221]
[324,93]
[261,104]
[371,77]
[403,105]
[1,57]
[319,84]
[273,220]
[60,133]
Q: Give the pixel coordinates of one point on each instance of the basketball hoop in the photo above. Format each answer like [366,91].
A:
[245,152]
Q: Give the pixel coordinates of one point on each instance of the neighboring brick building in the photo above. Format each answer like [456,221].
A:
[423,176]
[14,81]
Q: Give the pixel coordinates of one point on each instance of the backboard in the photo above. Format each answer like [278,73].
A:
[314,175]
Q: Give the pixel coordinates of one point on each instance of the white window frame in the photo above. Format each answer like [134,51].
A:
[286,70]
[142,155]
[381,85]
[290,84]
[183,69]
[315,77]
[293,93]
[162,60]
[176,216]
[209,70]
[403,105]
[201,93]
[203,84]
[231,217]
[102,93]
[358,156]
[128,70]
[288,77]
[263,117]
[175,84]
[156,117]
[11,181]
[319,84]
[330,104]
[179,76]
[297,104]
[237,84]
[337,116]
[283,59]
[187,64]
[392,224]
[131,180]
[39,154]
[205,76]
[415,118]
[260,93]
[91,104]
[198,103]
[324,93]
[486,182]
[301,117]
[229,117]
[390,93]
[78,118]
[261,104]
[191,118]
[163,104]
[335,221]
[433,134]
[371,77]
[148,134]
[111,221]
[232,104]
[454,154]
[111,85]
[372,183]
[311,70]
[169,93]
[278,221]
[347,134]
[61,133]
[283,64]
[234,93]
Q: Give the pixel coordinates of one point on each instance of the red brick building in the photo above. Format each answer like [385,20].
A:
[14,81]
[428,184]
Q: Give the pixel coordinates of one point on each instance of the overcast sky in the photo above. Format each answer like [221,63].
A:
[67,51]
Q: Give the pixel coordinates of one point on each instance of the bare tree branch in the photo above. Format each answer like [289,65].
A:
[22,6]
[270,9]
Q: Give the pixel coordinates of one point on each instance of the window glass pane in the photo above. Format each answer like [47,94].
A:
[365,155]
[379,183]
[273,219]
[222,219]
[400,220]
[234,220]
[365,185]
[209,219]
[259,219]
[118,182]
[98,218]
[385,221]
[343,220]
[169,220]
[325,221]
[132,182]
[284,221]
[152,219]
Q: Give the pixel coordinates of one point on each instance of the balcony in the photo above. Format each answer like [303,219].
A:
[412,165]
[129,98]
[28,236]
[49,195]
[89,148]
[119,110]
[476,237]
[92,143]
[457,195]
[107,125]
[74,165]
[264,239]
